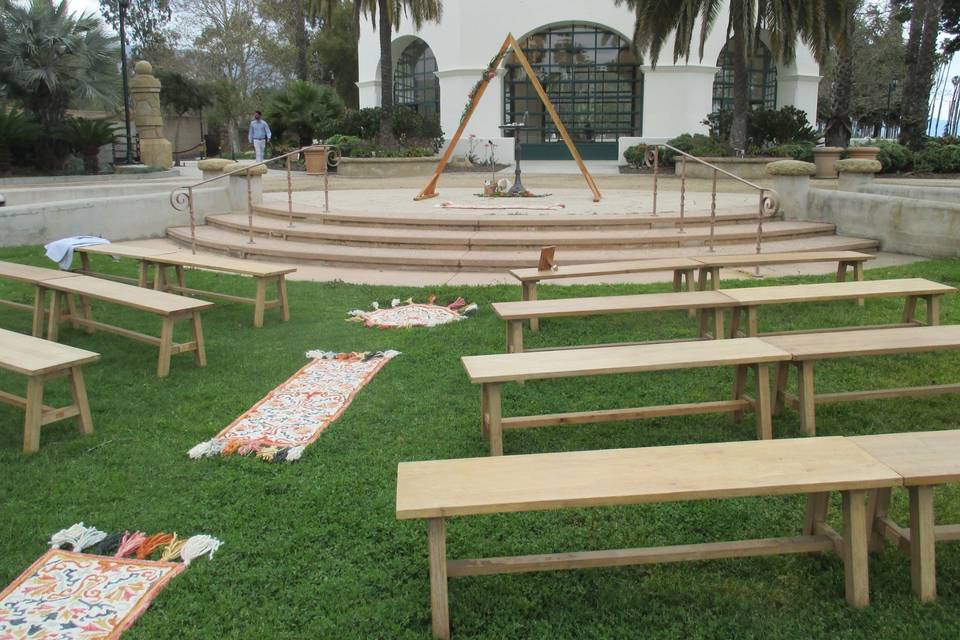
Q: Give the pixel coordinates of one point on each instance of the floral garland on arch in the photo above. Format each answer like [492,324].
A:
[486,75]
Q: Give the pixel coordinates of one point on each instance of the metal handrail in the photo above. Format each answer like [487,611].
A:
[768,206]
[181,198]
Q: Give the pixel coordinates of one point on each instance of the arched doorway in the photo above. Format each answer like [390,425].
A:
[593,79]
[761,80]
[415,82]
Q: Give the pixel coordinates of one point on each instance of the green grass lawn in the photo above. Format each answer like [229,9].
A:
[313,550]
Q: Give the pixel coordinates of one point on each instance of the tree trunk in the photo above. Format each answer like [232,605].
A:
[741,91]
[300,38]
[839,126]
[387,138]
[920,64]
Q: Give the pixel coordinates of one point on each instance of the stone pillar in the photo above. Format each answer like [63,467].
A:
[237,187]
[155,150]
[791,180]
[857,174]
[212,167]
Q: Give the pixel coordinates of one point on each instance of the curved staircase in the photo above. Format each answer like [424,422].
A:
[485,242]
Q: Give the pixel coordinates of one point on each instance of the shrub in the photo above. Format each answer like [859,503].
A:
[412,128]
[362,123]
[698,145]
[635,155]
[765,127]
[802,151]
[305,111]
[85,137]
[894,157]
[938,158]
[15,130]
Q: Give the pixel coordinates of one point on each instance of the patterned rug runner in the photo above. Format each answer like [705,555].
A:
[406,314]
[98,594]
[281,425]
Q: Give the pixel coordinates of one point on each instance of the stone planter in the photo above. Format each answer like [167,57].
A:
[316,161]
[863,153]
[212,167]
[791,181]
[825,158]
[856,174]
[386,167]
[746,168]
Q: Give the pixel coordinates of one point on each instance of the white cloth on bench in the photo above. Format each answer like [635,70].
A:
[61,251]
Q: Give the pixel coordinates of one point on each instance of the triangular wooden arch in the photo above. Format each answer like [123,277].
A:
[430,190]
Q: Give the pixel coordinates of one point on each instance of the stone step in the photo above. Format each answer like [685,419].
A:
[472,259]
[508,239]
[501,220]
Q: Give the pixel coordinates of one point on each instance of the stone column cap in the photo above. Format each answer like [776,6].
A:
[855,165]
[817,150]
[257,170]
[214,164]
[791,168]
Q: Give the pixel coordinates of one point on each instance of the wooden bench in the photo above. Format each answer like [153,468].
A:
[750,299]
[437,490]
[30,275]
[491,371]
[744,303]
[169,307]
[708,305]
[807,348]
[924,460]
[40,361]
[164,260]
[684,269]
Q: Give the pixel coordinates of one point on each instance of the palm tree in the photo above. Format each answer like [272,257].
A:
[53,58]
[843,16]
[305,110]
[85,137]
[389,13]
[15,129]
[785,21]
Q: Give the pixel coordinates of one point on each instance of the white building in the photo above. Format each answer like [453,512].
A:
[581,51]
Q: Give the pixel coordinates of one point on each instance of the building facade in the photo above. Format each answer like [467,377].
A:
[607,98]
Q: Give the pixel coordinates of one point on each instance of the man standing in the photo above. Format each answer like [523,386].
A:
[258,134]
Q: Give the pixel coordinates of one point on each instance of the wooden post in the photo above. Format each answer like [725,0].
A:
[494,417]
[909,310]
[855,557]
[529,292]
[166,346]
[762,406]
[816,512]
[739,388]
[437,542]
[53,324]
[282,298]
[39,302]
[923,563]
[200,355]
[260,305]
[933,310]
[782,377]
[514,336]
[718,333]
[808,424]
[34,414]
[877,507]
[79,390]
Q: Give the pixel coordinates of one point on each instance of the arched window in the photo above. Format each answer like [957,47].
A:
[593,79]
[761,80]
[415,83]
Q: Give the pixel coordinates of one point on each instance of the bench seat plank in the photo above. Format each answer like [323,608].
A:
[926,458]
[443,488]
[157,302]
[123,250]
[837,290]
[30,274]
[34,356]
[621,359]
[867,342]
[786,257]
[606,268]
[199,261]
[558,308]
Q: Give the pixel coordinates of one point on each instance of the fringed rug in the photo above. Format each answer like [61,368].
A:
[97,594]
[281,425]
[402,315]
[510,205]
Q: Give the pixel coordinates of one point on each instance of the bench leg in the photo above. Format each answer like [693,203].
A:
[84,262]
[718,324]
[842,271]
[855,556]
[702,278]
[484,412]
[158,277]
[34,414]
[816,512]
[702,329]
[909,310]
[689,286]
[923,564]
[878,505]
[715,278]
[166,347]
[181,276]
[677,280]
[53,321]
[933,311]
[735,321]
[87,311]
[440,612]
[739,388]
[260,304]
[528,292]
[808,424]
[494,418]
[753,329]
[779,396]
[282,297]
[79,389]
[200,355]
[143,268]
[858,276]
[514,336]
[39,302]
[72,310]
[762,404]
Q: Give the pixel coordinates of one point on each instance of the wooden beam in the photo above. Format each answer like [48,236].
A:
[532,76]
[614,415]
[17,305]
[928,390]
[647,555]
[947,532]
[430,191]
